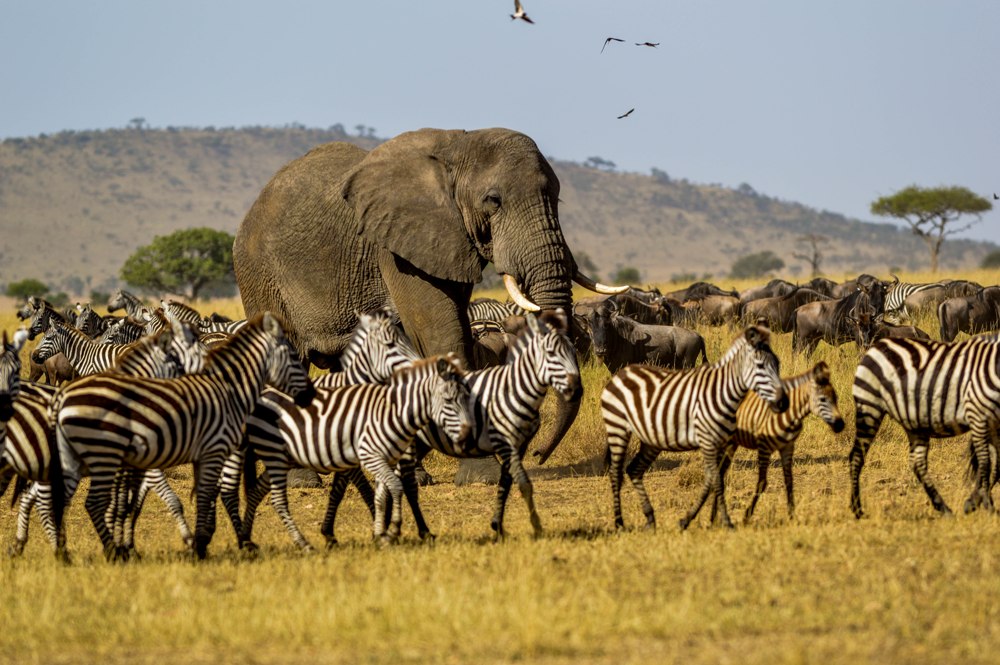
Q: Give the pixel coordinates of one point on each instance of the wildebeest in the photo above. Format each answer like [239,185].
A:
[853,318]
[773,289]
[620,341]
[900,332]
[700,290]
[970,314]
[821,285]
[714,310]
[779,312]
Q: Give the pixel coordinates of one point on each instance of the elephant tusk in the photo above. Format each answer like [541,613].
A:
[519,298]
[588,283]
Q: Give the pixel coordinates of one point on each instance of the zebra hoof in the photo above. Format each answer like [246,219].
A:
[16,550]
[331,542]
[428,538]
[684,523]
[970,506]
[308,549]
[62,556]
[385,540]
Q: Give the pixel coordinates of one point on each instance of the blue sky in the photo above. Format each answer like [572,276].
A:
[831,104]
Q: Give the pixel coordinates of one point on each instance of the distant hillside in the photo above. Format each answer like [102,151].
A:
[74,205]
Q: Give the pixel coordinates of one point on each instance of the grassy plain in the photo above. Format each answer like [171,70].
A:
[901,585]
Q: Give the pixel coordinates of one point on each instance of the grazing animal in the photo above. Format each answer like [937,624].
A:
[124,300]
[970,314]
[105,422]
[821,285]
[619,341]
[490,309]
[699,290]
[364,425]
[759,428]
[686,410]
[932,390]
[773,289]
[714,310]
[779,311]
[852,318]
[895,299]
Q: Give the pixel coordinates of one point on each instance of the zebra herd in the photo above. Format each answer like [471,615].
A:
[226,396]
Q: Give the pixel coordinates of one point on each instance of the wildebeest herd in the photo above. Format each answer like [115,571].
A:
[129,396]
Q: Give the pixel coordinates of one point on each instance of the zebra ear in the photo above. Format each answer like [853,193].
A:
[532,322]
[20,337]
[756,336]
[271,325]
[821,372]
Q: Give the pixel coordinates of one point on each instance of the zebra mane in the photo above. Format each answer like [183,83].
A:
[241,339]
[422,366]
[737,347]
[358,337]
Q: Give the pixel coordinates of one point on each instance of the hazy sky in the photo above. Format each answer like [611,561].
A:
[829,103]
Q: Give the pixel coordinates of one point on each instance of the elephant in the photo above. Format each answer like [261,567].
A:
[411,223]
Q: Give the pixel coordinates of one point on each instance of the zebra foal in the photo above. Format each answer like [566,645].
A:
[679,410]
[759,428]
[105,422]
[933,390]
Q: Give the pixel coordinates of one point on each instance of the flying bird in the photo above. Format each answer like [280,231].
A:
[626,114]
[519,12]
[650,44]
[610,39]
[995,197]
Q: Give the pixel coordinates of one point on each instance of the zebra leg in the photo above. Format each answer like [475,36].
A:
[982,447]
[156,480]
[636,470]
[279,499]
[206,473]
[338,485]
[503,491]
[918,459]
[260,490]
[118,509]
[763,461]
[365,489]
[388,484]
[232,472]
[712,485]
[407,474]
[615,458]
[867,418]
[514,468]
[787,453]
[24,507]
[102,485]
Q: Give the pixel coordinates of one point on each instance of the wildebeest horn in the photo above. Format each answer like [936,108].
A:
[519,298]
[588,283]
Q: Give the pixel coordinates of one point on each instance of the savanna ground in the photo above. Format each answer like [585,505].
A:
[900,585]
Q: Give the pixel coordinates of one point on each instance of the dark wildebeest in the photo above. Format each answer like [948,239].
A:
[821,285]
[653,313]
[699,290]
[773,289]
[900,332]
[863,280]
[853,318]
[714,310]
[620,341]
[970,314]
[779,312]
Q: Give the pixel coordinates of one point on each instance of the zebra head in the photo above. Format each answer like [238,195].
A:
[450,399]
[823,398]
[760,367]
[117,301]
[51,344]
[378,347]
[284,372]
[555,357]
[10,372]
[88,322]
[185,346]
[41,320]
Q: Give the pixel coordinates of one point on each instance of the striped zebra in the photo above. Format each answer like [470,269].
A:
[122,331]
[10,372]
[90,323]
[759,428]
[42,318]
[105,422]
[933,390]
[134,308]
[168,355]
[375,351]
[191,315]
[895,299]
[678,410]
[365,425]
[489,309]
[507,399]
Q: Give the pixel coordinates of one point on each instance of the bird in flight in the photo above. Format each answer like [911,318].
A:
[995,197]
[626,114]
[650,44]
[519,12]
[609,40]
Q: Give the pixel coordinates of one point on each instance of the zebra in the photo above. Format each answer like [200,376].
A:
[933,390]
[759,428]
[168,355]
[42,318]
[365,425]
[86,355]
[375,351]
[489,309]
[122,331]
[90,323]
[677,410]
[104,422]
[895,299]
[133,307]
[507,399]
[10,372]
[191,315]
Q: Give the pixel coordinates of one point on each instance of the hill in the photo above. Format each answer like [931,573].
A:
[75,205]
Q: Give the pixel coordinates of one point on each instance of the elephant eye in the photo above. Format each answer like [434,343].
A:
[492,200]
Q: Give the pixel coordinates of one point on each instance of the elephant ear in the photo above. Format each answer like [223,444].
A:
[403,197]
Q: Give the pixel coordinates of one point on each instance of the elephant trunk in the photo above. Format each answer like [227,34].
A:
[566,411]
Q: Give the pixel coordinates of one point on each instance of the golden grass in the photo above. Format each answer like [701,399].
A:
[901,585]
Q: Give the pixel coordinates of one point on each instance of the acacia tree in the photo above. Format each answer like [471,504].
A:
[932,213]
[182,262]
[815,256]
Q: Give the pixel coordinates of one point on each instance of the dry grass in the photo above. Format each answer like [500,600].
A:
[900,585]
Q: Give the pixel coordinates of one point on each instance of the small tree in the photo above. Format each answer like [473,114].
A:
[27,287]
[756,265]
[627,275]
[932,213]
[812,255]
[183,262]
[991,261]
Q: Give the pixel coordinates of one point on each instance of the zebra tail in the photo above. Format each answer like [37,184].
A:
[249,470]
[20,484]
[56,479]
